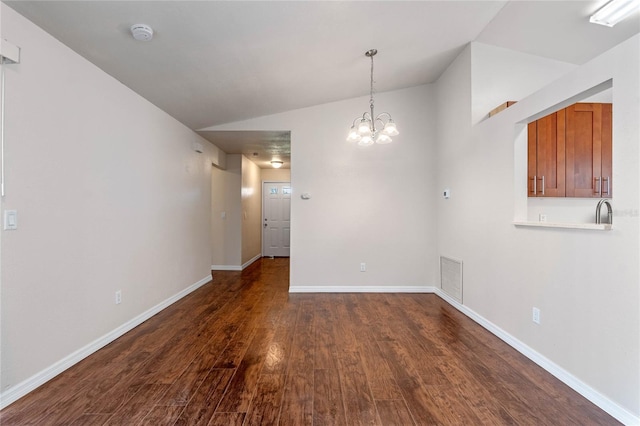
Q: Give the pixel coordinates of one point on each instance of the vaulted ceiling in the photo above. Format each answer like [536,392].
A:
[214,62]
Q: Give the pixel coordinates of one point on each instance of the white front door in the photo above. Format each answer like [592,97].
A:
[276,217]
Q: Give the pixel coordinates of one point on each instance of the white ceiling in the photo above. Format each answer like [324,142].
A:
[214,62]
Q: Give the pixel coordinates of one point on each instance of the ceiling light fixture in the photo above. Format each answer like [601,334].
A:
[614,12]
[364,130]
[276,164]
[142,32]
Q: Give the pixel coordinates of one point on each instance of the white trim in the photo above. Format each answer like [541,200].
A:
[14,393]
[619,413]
[246,264]
[236,267]
[360,289]
[226,268]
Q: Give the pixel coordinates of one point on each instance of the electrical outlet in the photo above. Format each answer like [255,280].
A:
[543,217]
[363,267]
[536,315]
[118,297]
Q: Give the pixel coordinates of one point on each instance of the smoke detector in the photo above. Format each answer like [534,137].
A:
[142,32]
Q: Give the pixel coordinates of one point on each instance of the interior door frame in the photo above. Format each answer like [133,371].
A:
[262,215]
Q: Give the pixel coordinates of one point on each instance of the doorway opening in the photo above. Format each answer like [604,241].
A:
[276,219]
[237,199]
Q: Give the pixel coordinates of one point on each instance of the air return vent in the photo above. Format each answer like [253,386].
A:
[451,277]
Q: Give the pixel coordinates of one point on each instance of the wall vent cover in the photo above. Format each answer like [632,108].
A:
[451,277]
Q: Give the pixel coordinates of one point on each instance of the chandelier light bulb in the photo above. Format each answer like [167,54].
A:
[390,129]
[382,139]
[353,135]
[366,141]
[364,128]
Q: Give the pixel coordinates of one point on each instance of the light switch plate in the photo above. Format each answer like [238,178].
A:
[536,315]
[10,220]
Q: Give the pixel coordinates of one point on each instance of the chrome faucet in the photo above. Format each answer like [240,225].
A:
[609,211]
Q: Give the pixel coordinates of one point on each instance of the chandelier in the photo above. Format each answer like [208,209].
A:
[372,128]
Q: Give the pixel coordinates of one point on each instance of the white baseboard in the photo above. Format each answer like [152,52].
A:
[619,413]
[360,289]
[236,267]
[226,268]
[21,389]
[248,263]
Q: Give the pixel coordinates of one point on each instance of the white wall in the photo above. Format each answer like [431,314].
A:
[500,75]
[584,282]
[368,205]
[236,211]
[110,196]
[275,175]
[251,211]
[226,214]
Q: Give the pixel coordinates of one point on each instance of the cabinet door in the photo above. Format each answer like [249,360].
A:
[546,146]
[607,151]
[589,150]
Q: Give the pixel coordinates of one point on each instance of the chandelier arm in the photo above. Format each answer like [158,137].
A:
[385,114]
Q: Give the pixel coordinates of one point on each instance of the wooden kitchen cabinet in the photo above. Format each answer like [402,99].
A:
[547,156]
[589,149]
[569,152]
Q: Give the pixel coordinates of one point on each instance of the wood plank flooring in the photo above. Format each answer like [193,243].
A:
[241,350]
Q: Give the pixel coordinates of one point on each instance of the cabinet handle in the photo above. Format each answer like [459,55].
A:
[535,185]
[600,190]
[608,185]
[542,184]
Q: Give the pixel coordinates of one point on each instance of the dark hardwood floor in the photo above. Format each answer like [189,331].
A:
[241,350]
